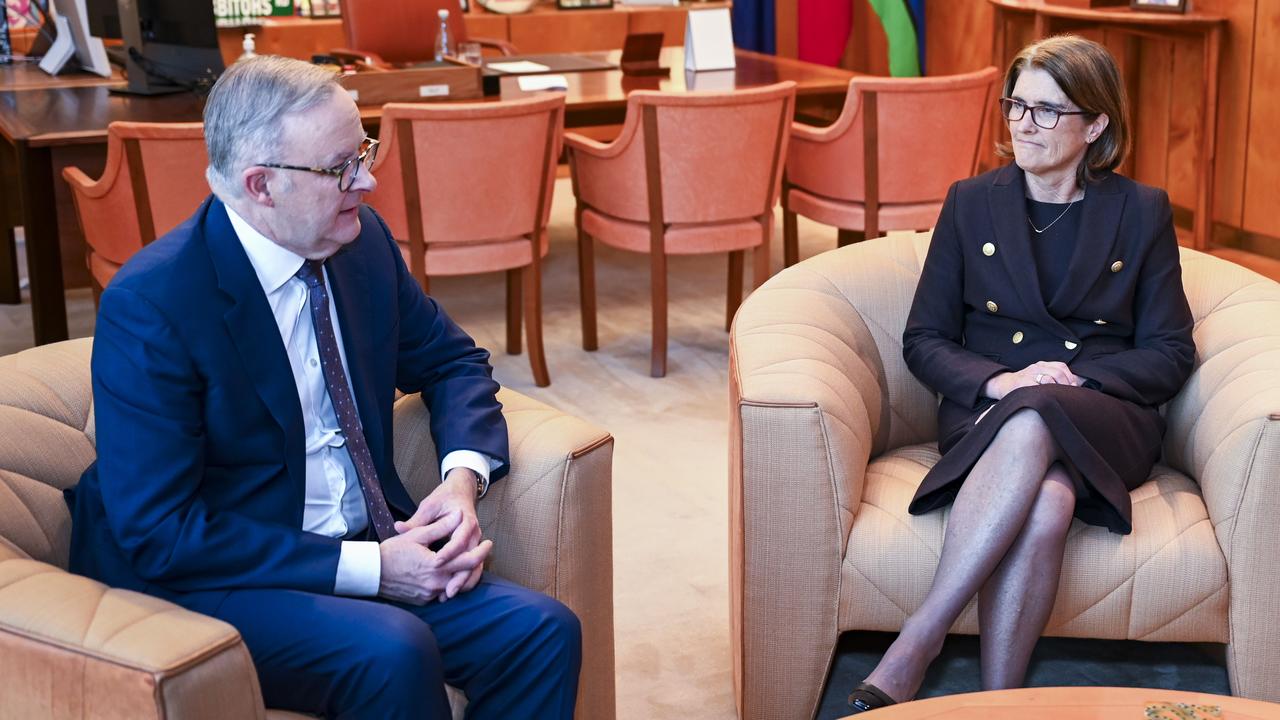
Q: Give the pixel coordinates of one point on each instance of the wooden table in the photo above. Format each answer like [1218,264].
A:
[1051,19]
[1072,703]
[39,126]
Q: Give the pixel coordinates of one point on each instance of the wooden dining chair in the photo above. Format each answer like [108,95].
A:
[466,189]
[154,180]
[887,161]
[690,173]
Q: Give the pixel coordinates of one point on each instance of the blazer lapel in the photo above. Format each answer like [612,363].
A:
[1099,227]
[257,339]
[1007,200]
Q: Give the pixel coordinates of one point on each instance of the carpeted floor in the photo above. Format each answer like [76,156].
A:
[670,491]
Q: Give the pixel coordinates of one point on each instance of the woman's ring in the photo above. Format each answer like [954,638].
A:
[1039,376]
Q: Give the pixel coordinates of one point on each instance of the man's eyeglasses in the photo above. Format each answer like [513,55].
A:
[1042,115]
[347,171]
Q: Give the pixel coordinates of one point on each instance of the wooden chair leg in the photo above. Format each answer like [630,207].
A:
[658,281]
[849,237]
[760,254]
[533,321]
[790,239]
[733,298]
[587,287]
[513,311]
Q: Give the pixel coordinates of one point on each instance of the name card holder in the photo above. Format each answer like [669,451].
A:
[708,40]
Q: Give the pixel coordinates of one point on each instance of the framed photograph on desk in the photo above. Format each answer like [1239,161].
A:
[1176,6]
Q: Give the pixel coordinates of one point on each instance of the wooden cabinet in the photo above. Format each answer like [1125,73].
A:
[544,30]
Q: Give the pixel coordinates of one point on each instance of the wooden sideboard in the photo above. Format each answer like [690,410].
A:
[543,30]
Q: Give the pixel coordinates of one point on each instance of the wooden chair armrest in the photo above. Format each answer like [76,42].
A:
[502,46]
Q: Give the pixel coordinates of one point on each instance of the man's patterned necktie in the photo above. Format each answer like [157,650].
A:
[335,378]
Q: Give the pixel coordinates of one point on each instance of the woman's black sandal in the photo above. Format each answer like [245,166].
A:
[866,696]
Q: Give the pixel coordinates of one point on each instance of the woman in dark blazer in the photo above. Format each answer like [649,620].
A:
[1051,318]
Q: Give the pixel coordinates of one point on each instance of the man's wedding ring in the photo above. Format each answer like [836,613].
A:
[1039,376]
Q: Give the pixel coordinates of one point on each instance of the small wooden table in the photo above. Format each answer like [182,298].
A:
[1050,19]
[1072,703]
[42,127]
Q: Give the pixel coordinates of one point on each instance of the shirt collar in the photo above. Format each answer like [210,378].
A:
[273,264]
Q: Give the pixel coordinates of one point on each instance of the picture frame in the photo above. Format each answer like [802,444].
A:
[1170,6]
[583,4]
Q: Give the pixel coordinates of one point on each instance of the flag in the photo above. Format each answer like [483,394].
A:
[903,22]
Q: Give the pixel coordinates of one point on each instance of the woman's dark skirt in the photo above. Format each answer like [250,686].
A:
[1107,445]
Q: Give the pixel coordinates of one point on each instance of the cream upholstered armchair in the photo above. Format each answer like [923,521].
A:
[831,435]
[71,647]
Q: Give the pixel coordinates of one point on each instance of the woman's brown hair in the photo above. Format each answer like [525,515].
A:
[1088,76]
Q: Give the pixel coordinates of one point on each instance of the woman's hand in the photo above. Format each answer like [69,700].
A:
[1038,373]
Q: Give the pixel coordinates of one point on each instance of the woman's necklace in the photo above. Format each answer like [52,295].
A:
[1040,231]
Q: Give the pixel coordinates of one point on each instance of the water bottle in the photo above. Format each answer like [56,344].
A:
[444,43]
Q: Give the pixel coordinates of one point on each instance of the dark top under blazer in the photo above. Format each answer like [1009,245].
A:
[1124,271]
[200,479]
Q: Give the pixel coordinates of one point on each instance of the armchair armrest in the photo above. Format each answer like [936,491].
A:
[502,46]
[550,519]
[1224,431]
[73,647]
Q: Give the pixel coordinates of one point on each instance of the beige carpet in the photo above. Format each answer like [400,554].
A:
[670,462]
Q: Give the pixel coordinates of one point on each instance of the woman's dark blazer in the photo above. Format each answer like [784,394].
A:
[1120,319]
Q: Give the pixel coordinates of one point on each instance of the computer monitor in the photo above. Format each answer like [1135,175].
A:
[74,37]
[169,45]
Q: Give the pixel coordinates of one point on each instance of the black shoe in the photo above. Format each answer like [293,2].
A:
[866,696]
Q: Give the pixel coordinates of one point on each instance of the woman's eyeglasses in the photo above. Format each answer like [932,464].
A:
[1043,116]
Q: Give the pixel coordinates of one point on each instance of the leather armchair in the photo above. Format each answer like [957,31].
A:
[71,647]
[831,435]
[382,34]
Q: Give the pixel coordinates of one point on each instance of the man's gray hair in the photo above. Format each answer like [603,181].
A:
[243,114]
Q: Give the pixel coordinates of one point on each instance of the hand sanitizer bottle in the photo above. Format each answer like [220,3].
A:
[249,47]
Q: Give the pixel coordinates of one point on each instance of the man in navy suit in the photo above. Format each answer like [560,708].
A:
[244,369]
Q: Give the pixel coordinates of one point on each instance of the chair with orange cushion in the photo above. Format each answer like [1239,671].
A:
[153,181]
[689,174]
[919,134]
[466,189]
[386,33]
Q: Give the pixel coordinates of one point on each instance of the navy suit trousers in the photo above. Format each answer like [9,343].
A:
[515,653]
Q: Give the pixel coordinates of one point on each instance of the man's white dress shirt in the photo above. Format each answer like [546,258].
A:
[334,502]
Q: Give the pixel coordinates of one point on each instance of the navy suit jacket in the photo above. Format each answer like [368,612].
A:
[200,480]
[1120,320]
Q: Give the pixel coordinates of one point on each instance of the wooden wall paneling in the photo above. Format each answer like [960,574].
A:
[582,30]
[1149,108]
[487,25]
[668,21]
[1186,92]
[958,36]
[868,48]
[1262,171]
[291,37]
[786,27]
[1127,51]
[1234,92]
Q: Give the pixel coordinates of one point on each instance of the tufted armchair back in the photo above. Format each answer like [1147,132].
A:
[47,398]
[831,434]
